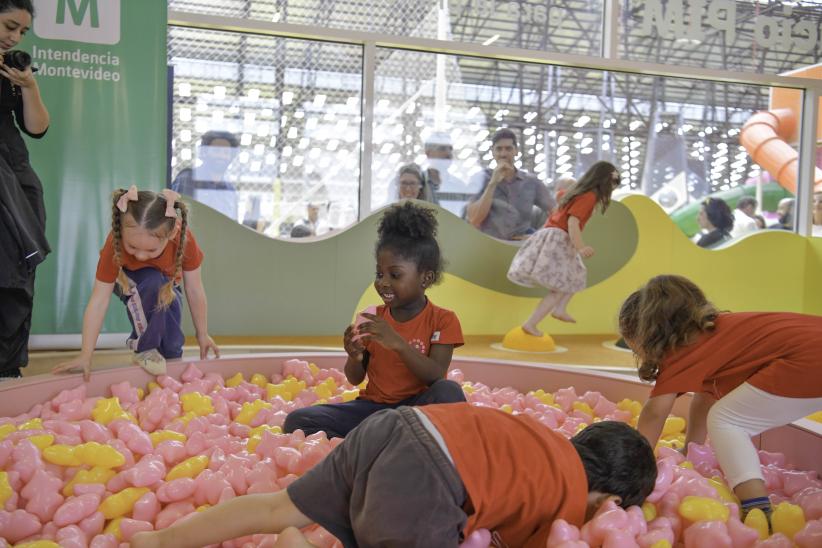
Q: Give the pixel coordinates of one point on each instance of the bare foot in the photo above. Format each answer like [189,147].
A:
[292,538]
[564,317]
[532,330]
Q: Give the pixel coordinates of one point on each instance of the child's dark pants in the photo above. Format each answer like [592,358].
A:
[338,419]
[153,327]
[387,485]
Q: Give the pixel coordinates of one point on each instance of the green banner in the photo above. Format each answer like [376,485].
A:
[102,73]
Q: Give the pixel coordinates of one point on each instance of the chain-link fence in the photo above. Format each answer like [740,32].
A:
[293,107]
[768,36]
[658,131]
[567,26]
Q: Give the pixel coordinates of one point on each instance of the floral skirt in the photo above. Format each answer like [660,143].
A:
[548,259]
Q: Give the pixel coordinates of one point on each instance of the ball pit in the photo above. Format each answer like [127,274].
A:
[92,465]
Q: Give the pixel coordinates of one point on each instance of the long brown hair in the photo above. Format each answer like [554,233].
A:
[668,312]
[149,212]
[600,179]
[416,171]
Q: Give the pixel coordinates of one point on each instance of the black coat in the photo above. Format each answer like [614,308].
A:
[23,243]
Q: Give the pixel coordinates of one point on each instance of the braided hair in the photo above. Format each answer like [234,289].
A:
[148,211]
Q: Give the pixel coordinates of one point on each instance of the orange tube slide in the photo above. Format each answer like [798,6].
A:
[764,137]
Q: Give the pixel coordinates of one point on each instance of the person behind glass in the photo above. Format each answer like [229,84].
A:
[552,258]
[561,187]
[784,214]
[405,348]
[411,184]
[503,208]
[449,191]
[310,225]
[23,243]
[716,219]
[817,214]
[745,217]
[206,182]
[148,252]
[301,231]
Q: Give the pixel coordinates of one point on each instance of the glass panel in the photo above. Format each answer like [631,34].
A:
[772,136]
[675,140]
[267,130]
[567,26]
[770,37]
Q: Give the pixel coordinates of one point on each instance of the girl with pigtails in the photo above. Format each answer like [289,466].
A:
[148,252]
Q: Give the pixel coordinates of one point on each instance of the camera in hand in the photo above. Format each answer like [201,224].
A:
[17,59]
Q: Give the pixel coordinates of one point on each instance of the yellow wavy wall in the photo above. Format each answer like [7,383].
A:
[771,270]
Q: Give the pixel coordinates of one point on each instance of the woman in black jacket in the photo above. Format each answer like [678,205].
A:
[715,217]
[23,242]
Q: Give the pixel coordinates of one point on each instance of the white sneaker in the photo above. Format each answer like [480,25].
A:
[151,360]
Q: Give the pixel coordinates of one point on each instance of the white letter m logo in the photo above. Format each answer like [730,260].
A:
[91,21]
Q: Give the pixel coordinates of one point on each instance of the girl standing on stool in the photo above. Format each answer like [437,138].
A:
[406,347]
[749,372]
[147,253]
[552,257]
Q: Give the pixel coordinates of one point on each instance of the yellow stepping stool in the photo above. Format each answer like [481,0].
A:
[517,339]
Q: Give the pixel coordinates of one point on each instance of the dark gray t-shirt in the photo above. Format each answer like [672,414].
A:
[512,209]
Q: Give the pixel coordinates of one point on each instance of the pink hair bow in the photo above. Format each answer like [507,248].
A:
[171,198]
[128,196]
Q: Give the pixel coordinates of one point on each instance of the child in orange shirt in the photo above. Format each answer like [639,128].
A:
[148,252]
[749,372]
[552,257]
[406,347]
[430,476]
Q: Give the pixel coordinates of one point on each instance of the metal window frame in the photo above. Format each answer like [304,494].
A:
[367,131]
[807,161]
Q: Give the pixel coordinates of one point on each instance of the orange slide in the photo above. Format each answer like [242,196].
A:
[767,135]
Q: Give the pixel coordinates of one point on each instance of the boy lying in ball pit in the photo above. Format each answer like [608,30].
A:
[430,476]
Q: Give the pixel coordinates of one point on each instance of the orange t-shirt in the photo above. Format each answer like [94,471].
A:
[192,258]
[581,207]
[389,380]
[778,352]
[519,475]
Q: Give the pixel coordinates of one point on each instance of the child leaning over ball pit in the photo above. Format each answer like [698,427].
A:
[405,348]
[430,476]
[148,252]
[749,372]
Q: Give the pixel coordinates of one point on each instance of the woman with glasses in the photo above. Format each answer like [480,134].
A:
[411,184]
